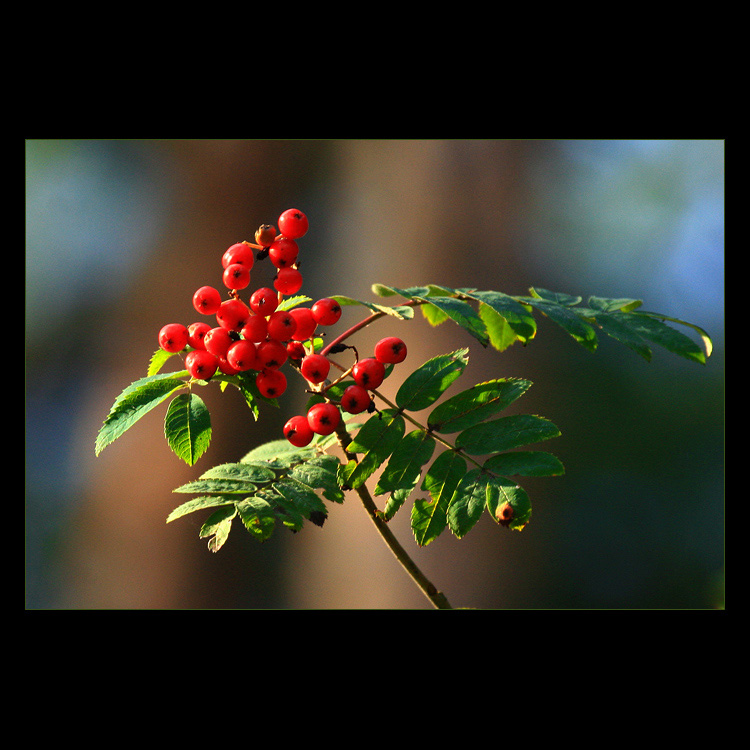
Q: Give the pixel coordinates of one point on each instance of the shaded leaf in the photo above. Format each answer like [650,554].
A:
[258,517]
[468,501]
[376,439]
[565,317]
[427,383]
[476,404]
[218,526]
[525,463]
[505,433]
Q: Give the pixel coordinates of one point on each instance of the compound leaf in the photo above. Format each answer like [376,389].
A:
[505,433]
[187,427]
[476,404]
[428,382]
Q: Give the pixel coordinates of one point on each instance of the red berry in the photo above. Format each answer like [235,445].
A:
[271,383]
[306,324]
[196,332]
[281,325]
[207,300]
[201,364]
[355,399]
[326,311]
[265,234]
[241,253]
[233,314]
[217,341]
[264,301]
[283,252]
[369,373]
[271,355]
[236,276]
[315,368]
[226,368]
[390,350]
[295,350]
[323,418]
[255,328]
[288,281]
[241,355]
[298,432]
[173,337]
[293,223]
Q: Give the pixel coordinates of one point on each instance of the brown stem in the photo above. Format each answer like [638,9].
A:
[438,599]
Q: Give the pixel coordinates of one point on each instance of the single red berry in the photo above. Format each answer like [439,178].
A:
[281,325]
[226,368]
[315,368]
[242,253]
[271,355]
[323,418]
[295,350]
[390,350]
[293,223]
[236,276]
[242,356]
[207,300]
[355,399]
[173,337]
[196,332]
[201,364]
[298,432]
[288,281]
[283,252]
[326,311]
[233,314]
[265,234]
[255,328]
[217,341]
[306,324]
[264,301]
[271,383]
[369,373]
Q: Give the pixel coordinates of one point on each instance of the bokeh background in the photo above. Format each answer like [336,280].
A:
[119,233]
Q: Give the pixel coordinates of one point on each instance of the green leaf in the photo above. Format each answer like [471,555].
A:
[499,330]
[505,433]
[459,311]
[404,312]
[618,327]
[516,316]
[468,501]
[525,463]
[199,503]
[258,516]
[218,526]
[605,304]
[405,464]
[429,517]
[158,360]
[501,492]
[428,382]
[376,440]
[187,427]
[321,473]
[302,496]
[278,454]
[476,404]
[652,327]
[557,307]
[289,303]
[707,343]
[135,402]
[254,473]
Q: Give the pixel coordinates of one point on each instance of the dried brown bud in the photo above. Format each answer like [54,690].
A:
[265,235]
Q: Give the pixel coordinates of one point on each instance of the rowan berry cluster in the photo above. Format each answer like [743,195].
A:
[255,336]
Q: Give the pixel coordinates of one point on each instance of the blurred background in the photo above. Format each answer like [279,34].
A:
[120,233]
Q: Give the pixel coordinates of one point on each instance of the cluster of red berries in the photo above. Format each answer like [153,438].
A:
[252,335]
[324,417]
[256,336]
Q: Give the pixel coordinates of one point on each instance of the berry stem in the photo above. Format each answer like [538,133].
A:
[438,599]
[363,324]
